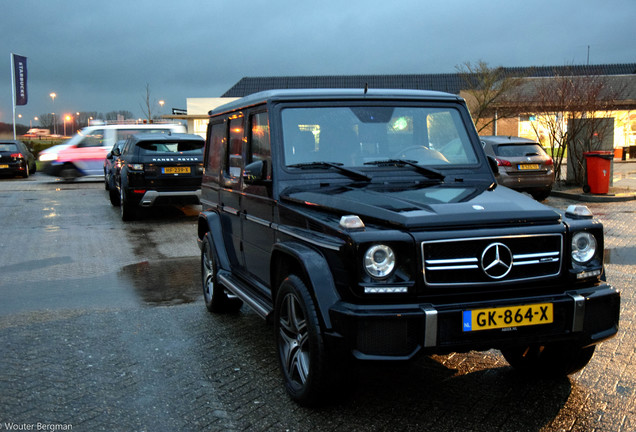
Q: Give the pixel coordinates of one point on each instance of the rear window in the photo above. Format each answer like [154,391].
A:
[122,134]
[8,147]
[519,150]
[167,147]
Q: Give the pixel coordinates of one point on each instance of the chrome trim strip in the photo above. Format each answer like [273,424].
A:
[451,261]
[430,327]
[579,312]
[258,220]
[321,244]
[230,210]
[536,255]
[458,267]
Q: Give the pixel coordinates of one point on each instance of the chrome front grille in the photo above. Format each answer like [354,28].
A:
[492,260]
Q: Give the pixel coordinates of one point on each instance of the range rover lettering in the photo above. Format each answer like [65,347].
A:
[368,226]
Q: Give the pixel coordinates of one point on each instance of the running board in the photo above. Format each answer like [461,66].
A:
[239,289]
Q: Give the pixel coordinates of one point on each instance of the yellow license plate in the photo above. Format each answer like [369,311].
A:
[529,166]
[509,316]
[176,170]
[4,166]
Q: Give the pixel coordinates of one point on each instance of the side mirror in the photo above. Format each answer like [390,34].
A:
[255,173]
[494,166]
[115,152]
[109,155]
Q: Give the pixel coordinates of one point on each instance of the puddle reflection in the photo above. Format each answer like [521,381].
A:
[165,282]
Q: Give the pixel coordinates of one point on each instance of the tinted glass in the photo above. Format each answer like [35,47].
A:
[167,147]
[8,147]
[353,136]
[519,150]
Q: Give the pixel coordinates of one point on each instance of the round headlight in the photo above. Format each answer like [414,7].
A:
[583,247]
[379,261]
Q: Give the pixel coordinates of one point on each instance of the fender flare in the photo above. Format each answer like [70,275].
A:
[210,222]
[316,273]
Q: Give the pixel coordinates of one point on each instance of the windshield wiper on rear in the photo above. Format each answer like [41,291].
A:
[356,175]
[429,172]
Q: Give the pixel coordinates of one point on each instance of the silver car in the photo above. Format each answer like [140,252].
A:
[523,164]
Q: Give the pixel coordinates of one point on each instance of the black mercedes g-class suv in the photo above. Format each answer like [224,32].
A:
[157,169]
[369,225]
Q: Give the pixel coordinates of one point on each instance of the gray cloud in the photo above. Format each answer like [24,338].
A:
[99,57]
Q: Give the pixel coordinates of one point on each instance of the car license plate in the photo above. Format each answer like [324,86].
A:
[528,166]
[509,316]
[4,166]
[175,170]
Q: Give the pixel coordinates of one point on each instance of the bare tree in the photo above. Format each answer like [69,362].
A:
[572,113]
[487,92]
[148,104]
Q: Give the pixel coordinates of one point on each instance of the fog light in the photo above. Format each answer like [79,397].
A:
[386,290]
[588,274]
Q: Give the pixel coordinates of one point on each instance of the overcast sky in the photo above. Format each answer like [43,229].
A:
[99,56]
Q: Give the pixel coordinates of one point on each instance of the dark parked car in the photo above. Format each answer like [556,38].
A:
[111,164]
[157,169]
[16,159]
[523,164]
[368,225]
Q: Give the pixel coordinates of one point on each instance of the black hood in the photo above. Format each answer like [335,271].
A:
[429,206]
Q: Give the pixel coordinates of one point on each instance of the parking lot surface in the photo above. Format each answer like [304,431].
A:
[103,327]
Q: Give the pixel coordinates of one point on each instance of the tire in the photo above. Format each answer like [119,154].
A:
[541,195]
[115,199]
[216,299]
[26,171]
[128,210]
[549,360]
[68,173]
[308,370]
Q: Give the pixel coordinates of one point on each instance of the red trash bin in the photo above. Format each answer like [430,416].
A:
[598,170]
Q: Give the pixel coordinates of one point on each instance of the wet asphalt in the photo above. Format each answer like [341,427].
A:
[103,327]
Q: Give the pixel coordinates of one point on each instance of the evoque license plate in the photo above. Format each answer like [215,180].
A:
[175,170]
[509,316]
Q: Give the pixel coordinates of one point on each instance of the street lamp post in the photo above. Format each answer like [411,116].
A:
[53,96]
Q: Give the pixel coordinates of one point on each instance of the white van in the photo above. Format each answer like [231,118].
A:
[84,153]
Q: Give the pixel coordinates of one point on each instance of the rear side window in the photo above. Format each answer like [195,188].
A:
[216,149]
[167,147]
[234,162]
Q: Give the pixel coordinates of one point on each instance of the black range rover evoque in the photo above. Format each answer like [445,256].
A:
[157,169]
[369,226]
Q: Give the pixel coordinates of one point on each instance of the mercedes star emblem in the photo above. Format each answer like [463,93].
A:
[496,260]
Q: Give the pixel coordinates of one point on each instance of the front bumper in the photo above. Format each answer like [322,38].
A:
[399,332]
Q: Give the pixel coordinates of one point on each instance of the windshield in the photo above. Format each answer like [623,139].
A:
[359,135]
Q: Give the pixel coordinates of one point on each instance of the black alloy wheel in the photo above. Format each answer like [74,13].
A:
[308,369]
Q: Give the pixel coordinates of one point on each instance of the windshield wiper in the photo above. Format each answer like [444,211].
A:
[429,172]
[356,175]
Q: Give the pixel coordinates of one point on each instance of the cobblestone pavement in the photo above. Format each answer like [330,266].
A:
[102,327]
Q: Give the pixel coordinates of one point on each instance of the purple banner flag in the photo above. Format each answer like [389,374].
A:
[20,79]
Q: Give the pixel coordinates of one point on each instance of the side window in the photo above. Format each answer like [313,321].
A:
[260,147]
[216,149]
[94,139]
[233,164]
